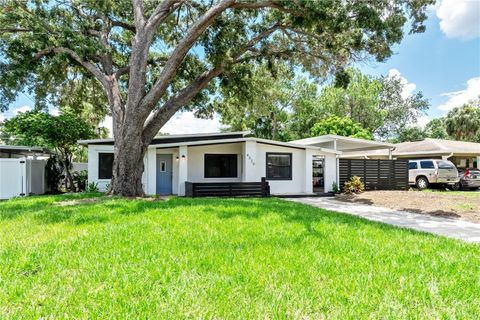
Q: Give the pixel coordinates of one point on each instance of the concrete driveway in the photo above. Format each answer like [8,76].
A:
[449,227]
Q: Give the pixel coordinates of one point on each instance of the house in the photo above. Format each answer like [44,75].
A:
[289,167]
[462,154]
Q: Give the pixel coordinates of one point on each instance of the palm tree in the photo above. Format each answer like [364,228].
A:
[463,123]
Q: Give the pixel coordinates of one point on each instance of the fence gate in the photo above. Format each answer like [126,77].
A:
[13,179]
[376,174]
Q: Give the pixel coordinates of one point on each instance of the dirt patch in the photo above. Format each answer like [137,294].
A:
[75,202]
[454,205]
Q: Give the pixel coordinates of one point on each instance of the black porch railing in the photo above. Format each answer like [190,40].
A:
[227,189]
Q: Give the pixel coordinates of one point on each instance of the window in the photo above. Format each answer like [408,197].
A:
[105,165]
[279,166]
[427,165]
[163,166]
[412,165]
[221,166]
[442,164]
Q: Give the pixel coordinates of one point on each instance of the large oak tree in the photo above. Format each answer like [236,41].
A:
[153,58]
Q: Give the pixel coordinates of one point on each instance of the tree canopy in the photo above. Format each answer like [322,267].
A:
[153,58]
[463,123]
[340,126]
[59,133]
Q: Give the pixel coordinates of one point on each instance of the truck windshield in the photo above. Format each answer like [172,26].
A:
[445,165]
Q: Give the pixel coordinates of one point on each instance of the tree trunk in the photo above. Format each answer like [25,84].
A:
[128,167]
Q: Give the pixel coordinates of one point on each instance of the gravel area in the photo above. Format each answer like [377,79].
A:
[465,205]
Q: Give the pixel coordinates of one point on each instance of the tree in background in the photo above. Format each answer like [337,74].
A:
[263,102]
[340,126]
[436,129]
[154,58]
[59,133]
[410,134]
[376,104]
[463,123]
[260,103]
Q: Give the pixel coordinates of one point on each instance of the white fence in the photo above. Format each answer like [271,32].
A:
[20,177]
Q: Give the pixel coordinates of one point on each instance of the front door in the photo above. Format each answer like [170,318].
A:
[164,174]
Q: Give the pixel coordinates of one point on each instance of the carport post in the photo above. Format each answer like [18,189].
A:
[182,169]
[478,162]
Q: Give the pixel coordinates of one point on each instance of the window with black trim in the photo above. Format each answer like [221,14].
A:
[412,165]
[279,166]
[105,165]
[221,166]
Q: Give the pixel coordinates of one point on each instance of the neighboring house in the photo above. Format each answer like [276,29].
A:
[462,154]
[8,151]
[172,160]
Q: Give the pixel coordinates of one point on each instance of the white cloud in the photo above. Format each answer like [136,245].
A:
[2,117]
[408,87]
[180,123]
[459,18]
[187,123]
[458,98]
[423,120]
[22,110]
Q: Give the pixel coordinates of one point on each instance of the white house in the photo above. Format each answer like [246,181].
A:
[172,160]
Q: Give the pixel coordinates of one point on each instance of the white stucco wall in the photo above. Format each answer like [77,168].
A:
[251,163]
[297,184]
[196,161]
[93,151]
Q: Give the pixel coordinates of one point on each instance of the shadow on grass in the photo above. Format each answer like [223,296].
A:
[48,211]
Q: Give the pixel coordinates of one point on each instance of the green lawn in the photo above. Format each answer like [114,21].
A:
[64,257]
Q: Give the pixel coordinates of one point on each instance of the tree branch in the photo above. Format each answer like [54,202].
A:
[161,12]
[124,25]
[263,4]
[99,75]
[177,56]
[156,120]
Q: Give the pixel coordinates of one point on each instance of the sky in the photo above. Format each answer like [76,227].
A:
[443,63]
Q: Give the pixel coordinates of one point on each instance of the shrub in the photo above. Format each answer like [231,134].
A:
[354,185]
[80,179]
[334,187]
[92,187]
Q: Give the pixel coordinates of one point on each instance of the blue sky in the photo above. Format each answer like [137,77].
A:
[443,63]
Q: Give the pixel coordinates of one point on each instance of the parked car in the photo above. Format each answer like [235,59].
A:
[425,172]
[469,179]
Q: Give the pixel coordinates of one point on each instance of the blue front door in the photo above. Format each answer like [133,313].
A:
[164,174]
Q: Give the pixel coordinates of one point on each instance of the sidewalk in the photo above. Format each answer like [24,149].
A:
[449,227]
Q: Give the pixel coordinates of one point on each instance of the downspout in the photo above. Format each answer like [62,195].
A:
[446,157]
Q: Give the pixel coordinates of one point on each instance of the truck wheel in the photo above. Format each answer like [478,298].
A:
[422,183]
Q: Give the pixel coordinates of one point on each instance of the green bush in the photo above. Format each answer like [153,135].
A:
[354,185]
[80,179]
[92,187]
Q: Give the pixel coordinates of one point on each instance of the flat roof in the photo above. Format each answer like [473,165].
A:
[178,137]
[24,149]
[355,143]
[238,140]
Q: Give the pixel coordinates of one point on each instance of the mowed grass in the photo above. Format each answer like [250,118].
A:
[64,257]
